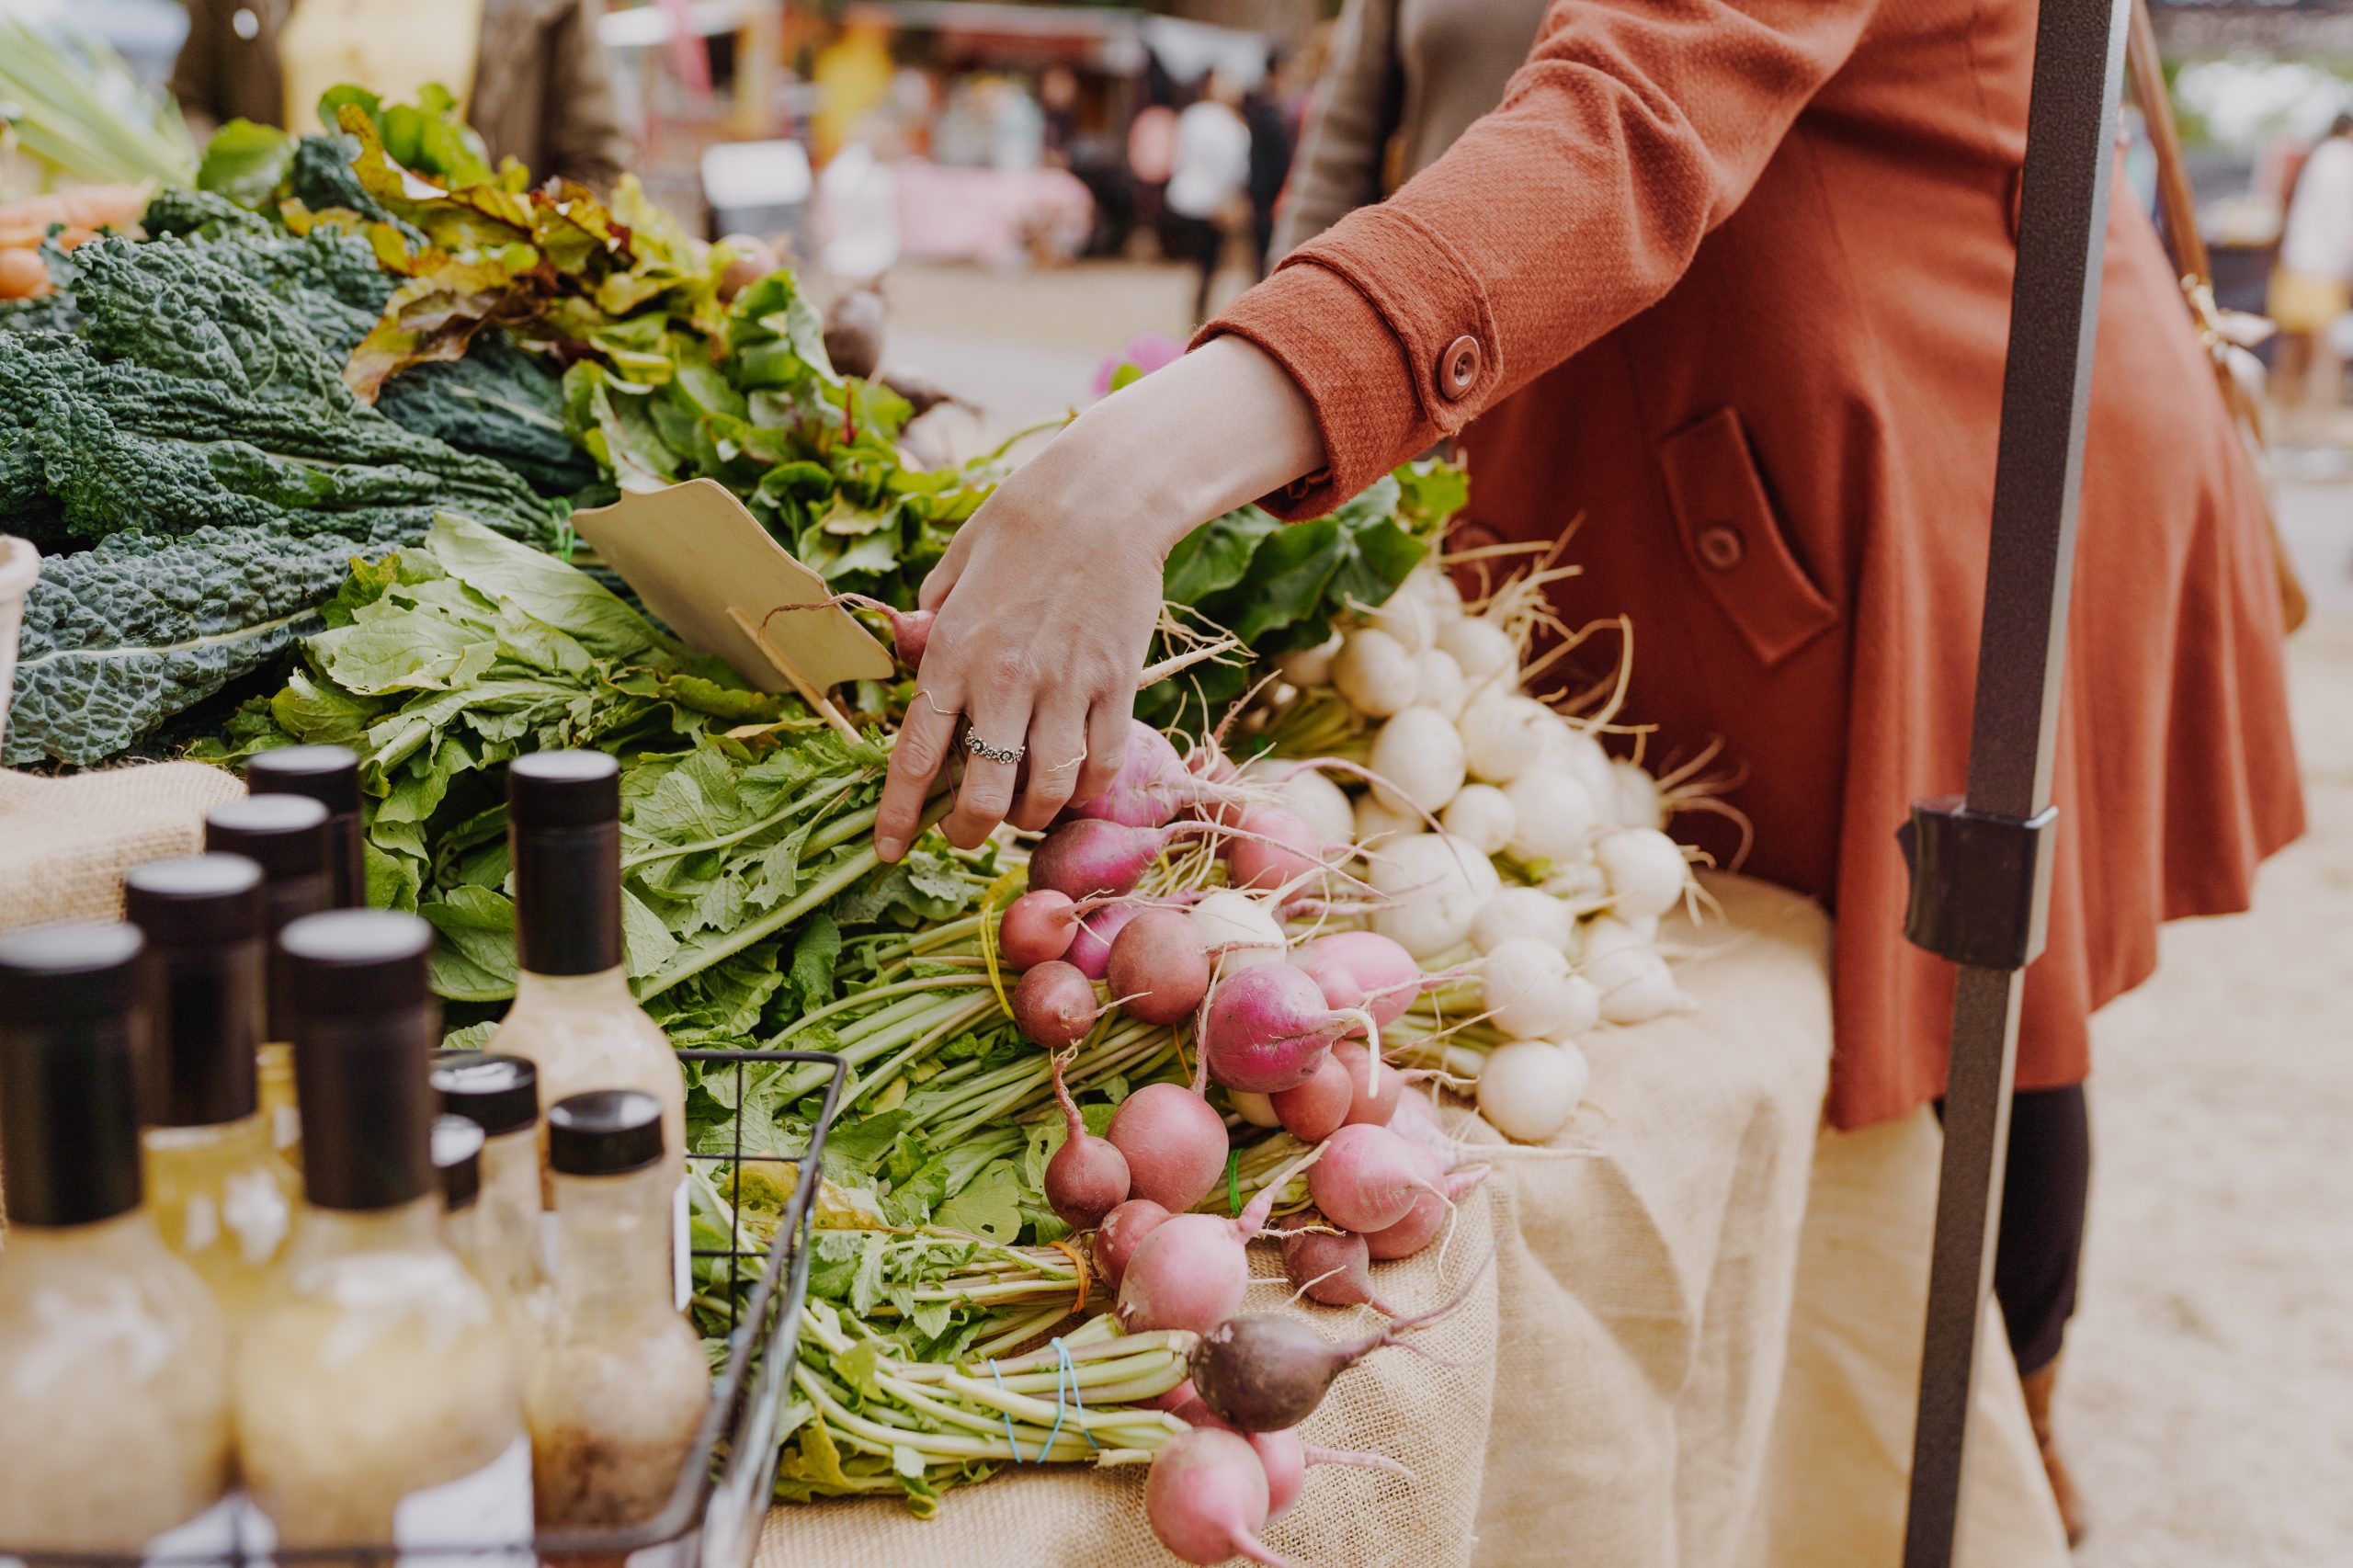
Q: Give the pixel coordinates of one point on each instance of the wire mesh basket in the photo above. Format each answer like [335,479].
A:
[713,1517]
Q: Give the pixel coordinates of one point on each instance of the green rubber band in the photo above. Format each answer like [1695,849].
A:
[1234,1182]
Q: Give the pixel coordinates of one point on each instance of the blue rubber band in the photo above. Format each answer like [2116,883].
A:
[1064,1367]
[1010,1441]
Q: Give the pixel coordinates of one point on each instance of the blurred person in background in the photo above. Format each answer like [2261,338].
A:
[530,76]
[1272,118]
[1730,281]
[2312,288]
[1211,169]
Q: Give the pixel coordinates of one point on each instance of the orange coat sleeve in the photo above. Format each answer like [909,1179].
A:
[1635,127]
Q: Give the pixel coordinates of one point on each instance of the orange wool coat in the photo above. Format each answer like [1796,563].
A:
[1729,279]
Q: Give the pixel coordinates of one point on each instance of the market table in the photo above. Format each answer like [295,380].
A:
[1698,1345]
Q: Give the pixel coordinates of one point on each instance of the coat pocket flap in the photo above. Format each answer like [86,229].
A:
[1733,542]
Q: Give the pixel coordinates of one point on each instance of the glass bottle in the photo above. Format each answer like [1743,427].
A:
[456,1165]
[376,1400]
[329,775]
[286,836]
[620,1387]
[219,1192]
[501,1095]
[574,1017]
[114,1387]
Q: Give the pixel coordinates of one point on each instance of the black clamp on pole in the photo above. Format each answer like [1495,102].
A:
[1981,883]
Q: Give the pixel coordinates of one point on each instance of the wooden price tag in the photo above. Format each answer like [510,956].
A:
[707,567]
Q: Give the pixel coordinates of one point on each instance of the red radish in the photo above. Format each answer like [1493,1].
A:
[1282,1455]
[1087,1177]
[1156,967]
[1369,1177]
[1152,785]
[1425,1220]
[1175,1144]
[1054,1006]
[1330,1266]
[1035,927]
[1266,1373]
[1266,1027]
[1122,1232]
[1207,1498]
[1374,1094]
[1272,848]
[1090,944]
[1089,854]
[910,630]
[1365,969]
[1313,1110]
[1191,1271]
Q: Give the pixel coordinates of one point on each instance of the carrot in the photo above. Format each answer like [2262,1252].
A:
[80,207]
[22,275]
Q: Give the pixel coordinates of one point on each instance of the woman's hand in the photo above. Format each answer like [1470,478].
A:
[1048,597]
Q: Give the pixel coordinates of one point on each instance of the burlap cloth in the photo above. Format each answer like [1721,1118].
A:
[65,842]
[1680,1360]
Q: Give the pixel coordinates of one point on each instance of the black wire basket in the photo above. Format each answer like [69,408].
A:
[721,1498]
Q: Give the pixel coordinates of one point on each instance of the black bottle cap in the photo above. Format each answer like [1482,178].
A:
[457,1159]
[498,1094]
[563,789]
[365,1022]
[287,836]
[203,918]
[563,820]
[71,1020]
[605,1132]
[329,775]
[284,835]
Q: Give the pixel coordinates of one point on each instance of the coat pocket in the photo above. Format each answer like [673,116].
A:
[1735,544]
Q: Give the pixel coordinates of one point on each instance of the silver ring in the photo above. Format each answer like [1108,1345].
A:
[980,748]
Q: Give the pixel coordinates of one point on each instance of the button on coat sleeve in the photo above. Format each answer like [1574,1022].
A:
[1635,127]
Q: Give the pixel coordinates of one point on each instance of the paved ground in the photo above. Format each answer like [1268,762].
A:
[2209,1391]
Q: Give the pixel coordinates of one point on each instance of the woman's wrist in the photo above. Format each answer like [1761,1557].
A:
[1215,430]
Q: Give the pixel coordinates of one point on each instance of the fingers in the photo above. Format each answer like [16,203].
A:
[1000,718]
[925,737]
[1106,744]
[1057,753]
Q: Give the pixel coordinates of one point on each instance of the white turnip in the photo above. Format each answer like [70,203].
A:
[1088,1177]
[1554,818]
[1516,913]
[1635,985]
[1646,872]
[1376,824]
[1438,682]
[1419,755]
[1377,674]
[1437,882]
[1637,802]
[1314,799]
[1530,994]
[1175,1144]
[1479,647]
[1308,668]
[1530,1088]
[1238,930]
[1480,815]
[1407,618]
[1503,734]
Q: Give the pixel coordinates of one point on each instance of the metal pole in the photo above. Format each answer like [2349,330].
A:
[1981,868]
